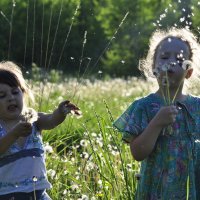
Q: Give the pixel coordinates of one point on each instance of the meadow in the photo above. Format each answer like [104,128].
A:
[86,158]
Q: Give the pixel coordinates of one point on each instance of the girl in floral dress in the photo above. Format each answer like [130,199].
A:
[163,128]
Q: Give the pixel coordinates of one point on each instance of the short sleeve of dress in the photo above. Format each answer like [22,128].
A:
[133,121]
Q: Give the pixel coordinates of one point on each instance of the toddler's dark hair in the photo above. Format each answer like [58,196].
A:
[11,75]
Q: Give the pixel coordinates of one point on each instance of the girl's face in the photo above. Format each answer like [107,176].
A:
[171,53]
[11,102]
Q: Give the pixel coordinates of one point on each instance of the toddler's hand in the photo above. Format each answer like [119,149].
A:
[166,115]
[67,107]
[22,129]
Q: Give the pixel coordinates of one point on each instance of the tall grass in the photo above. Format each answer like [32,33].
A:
[86,158]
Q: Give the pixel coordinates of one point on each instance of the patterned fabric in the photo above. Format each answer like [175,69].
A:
[22,169]
[175,160]
[37,194]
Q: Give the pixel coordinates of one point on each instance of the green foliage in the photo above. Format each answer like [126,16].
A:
[88,155]
[83,37]
[39,75]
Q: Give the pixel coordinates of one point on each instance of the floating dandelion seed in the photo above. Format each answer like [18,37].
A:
[186,64]
[100,72]
[182,19]
[14,3]
[122,61]
[169,39]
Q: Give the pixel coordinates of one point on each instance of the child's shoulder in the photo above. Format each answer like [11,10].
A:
[146,101]
[193,99]
[150,98]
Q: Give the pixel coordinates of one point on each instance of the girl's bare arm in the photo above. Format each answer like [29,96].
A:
[49,121]
[143,145]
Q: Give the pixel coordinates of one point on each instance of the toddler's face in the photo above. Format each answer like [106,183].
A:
[170,55]
[11,102]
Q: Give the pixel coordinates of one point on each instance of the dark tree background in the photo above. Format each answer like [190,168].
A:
[88,36]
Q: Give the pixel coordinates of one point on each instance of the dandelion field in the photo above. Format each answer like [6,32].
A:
[86,158]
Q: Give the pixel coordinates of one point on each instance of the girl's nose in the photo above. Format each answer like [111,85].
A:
[10,97]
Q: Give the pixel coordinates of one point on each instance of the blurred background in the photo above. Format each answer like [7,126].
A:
[88,37]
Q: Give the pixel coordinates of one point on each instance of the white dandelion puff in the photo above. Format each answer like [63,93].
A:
[186,64]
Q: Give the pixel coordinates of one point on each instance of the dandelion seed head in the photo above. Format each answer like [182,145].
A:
[29,115]
[84,143]
[51,173]
[186,64]
[48,148]
[34,179]
[84,197]
[74,187]
[84,155]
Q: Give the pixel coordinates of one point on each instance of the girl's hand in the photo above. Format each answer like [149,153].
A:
[22,129]
[166,115]
[67,107]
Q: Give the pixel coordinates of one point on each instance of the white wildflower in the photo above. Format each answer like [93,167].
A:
[52,173]
[74,187]
[84,197]
[84,143]
[48,148]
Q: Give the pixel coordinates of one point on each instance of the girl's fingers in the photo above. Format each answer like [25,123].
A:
[68,107]
[173,110]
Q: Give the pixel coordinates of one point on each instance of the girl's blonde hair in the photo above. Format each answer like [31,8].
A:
[146,65]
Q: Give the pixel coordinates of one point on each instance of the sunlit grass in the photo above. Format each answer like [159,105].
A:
[86,158]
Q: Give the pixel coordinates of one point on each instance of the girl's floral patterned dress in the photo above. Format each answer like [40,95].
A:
[173,168]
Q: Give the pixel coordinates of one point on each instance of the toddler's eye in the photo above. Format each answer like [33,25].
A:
[15,91]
